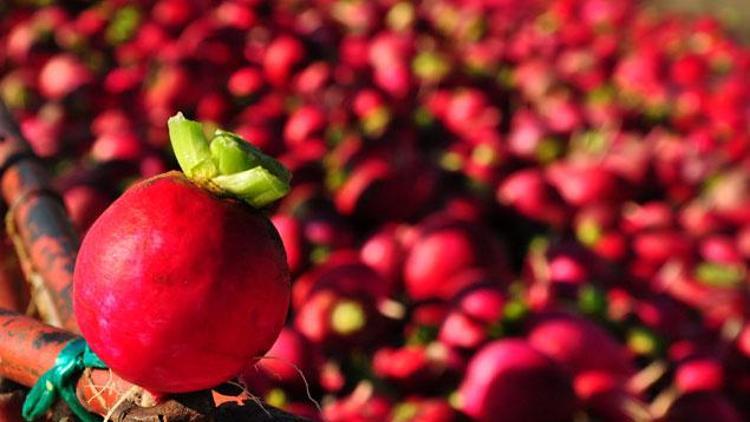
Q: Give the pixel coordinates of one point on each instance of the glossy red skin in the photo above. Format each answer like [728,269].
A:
[62,75]
[604,396]
[290,231]
[446,249]
[408,366]
[531,196]
[384,253]
[511,379]
[468,323]
[700,375]
[177,290]
[579,344]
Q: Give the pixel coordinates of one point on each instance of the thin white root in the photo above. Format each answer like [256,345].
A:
[133,392]
[304,380]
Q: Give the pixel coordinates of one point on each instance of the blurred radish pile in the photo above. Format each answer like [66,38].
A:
[502,210]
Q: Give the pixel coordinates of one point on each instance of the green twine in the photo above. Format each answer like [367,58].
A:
[61,380]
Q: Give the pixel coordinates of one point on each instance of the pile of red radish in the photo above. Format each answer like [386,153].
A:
[501,210]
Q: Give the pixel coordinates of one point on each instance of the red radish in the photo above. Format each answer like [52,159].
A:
[407,366]
[176,287]
[62,75]
[281,57]
[245,81]
[84,204]
[530,195]
[446,248]
[702,406]
[313,78]
[173,13]
[461,331]
[121,79]
[720,249]
[342,273]
[512,380]
[605,398]
[649,216]
[743,341]
[417,409]
[290,230]
[362,405]
[399,176]
[303,123]
[699,375]
[383,252]
[117,146]
[44,131]
[579,344]
[582,183]
[337,322]
[468,324]
[288,355]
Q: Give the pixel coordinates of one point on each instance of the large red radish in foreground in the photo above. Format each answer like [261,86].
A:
[180,283]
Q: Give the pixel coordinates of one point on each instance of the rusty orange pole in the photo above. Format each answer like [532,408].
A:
[14,292]
[29,348]
[44,236]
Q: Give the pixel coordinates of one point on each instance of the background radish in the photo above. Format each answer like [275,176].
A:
[511,380]
[569,174]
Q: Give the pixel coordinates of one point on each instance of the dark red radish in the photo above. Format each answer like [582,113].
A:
[447,247]
[303,409]
[665,315]
[288,363]
[44,130]
[61,75]
[117,146]
[583,183]
[700,374]
[660,245]
[425,320]
[743,341]
[605,397]
[530,195]
[720,249]
[281,56]
[702,406]
[470,322]
[382,178]
[408,367]
[178,287]
[649,216]
[336,321]
[578,344]
[290,230]
[460,331]
[84,204]
[172,13]
[362,405]
[418,409]
[384,252]
[245,81]
[512,380]
[343,273]
[302,124]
